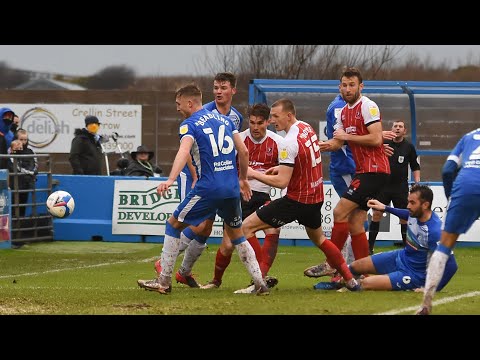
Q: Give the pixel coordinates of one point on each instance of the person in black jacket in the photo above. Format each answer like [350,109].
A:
[140,164]
[27,167]
[86,149]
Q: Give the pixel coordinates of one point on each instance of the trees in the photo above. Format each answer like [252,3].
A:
[116,77]
[301,61]
[9,78]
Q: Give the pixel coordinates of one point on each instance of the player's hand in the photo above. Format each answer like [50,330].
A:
[325,146]
[376,205]
[388,150]
[245,190]
[194,182]
[272,171]
[162,188]
[388,135]
[340,134]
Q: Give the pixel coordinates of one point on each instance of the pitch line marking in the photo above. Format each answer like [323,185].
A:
[77,268]
[435,303]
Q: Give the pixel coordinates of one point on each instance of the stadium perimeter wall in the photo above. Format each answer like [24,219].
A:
[127,209]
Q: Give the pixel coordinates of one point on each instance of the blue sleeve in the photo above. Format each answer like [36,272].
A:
[448,176]
[401,213]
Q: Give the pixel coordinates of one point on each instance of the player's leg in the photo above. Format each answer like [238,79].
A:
[340,184]
[222,260]
[374,227]
[184,185]
[461,213]
[269,249]
[333,255]
[392,275]
[168,256]
[193,210]
[230,210]
[400,201]
[359,237]
[193,252]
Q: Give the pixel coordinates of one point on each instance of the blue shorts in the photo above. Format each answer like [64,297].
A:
[462,212]
[184,183]
[341,182]
[194,209]
[401,278]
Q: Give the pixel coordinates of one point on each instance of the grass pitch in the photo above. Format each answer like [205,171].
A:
[99,278]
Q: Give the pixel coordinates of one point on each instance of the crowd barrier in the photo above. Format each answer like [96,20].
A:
[95,207]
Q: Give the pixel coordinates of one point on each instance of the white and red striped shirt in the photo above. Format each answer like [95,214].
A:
[300,147]
[354,120]
[262,155]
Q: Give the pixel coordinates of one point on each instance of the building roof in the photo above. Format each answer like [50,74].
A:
[48,84]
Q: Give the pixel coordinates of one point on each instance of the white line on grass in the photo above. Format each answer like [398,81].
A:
[77,268]
[435,303]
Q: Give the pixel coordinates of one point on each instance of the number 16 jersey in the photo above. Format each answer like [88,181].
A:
[213,152]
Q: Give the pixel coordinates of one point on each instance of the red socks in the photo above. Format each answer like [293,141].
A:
[340,234]
[335,259]
[221,264]
[269,251]
[360,246]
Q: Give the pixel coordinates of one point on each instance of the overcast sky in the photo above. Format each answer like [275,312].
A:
[84,60]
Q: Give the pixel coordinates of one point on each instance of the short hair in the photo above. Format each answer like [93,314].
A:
[400,120]
[261,110]
[351,72]
[286,104]
[426,194]
[22,131]
[190,90]
[226,76]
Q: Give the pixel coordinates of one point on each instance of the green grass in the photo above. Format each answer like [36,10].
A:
[100,278]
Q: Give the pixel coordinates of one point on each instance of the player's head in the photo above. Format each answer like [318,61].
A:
[259,119]
[188,99]
[224,87]
[420,200]
[282,114]
[399,129]
[351,85]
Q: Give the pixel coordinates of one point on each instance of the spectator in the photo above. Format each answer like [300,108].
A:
[6,136]
[86,149]
[140,164]
[15,124]
[26,166]
[121,169]
[396,189]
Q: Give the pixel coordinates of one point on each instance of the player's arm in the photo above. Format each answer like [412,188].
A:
[333,123]
[279,178]
[181,159]
[192,170]
[377,205]
[330,145]
[242,154]
[451,167]
[374,138]
[414,165]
